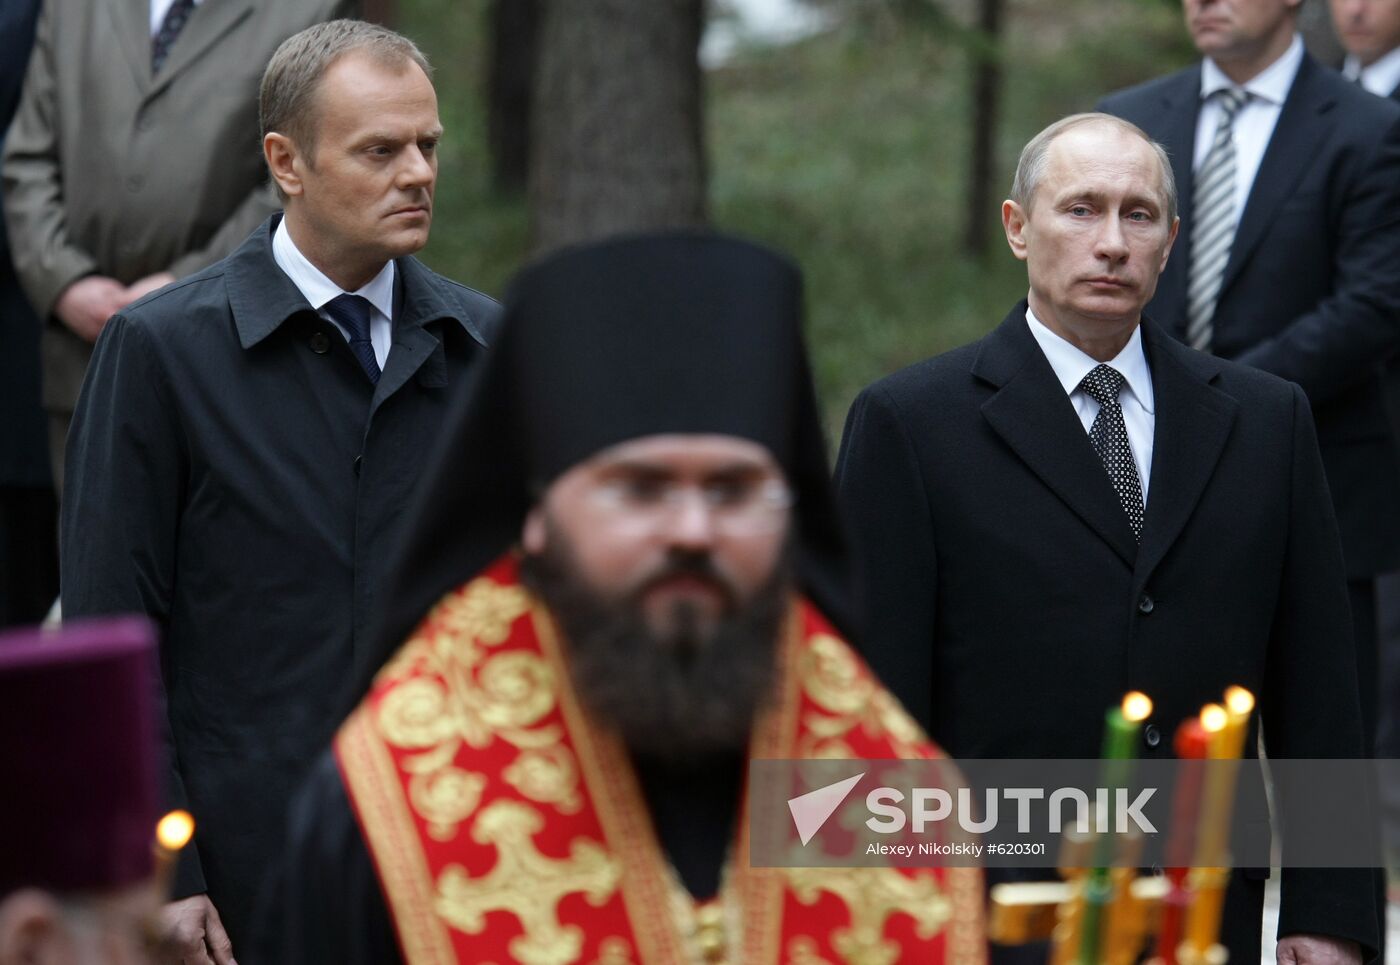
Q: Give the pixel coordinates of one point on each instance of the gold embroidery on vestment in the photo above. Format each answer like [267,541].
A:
[872,896]
[831,677]
[467,696]
[527,884]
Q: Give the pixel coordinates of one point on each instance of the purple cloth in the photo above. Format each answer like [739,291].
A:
[78,794]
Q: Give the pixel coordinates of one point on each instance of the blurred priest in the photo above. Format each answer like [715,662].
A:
[80,880]
[624,581]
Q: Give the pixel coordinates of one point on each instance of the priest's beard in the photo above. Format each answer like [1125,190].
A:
[685,693]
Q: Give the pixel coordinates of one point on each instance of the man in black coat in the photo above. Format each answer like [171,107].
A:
[1077,506]
[28,510]
[1370,32]
[247,441]
[1291,265]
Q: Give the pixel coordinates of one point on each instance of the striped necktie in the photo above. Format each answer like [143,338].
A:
[1213,228]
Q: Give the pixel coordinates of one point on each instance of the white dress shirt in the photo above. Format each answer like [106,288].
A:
[318,289]
[1255,122]
[1071,365]
[1382,77]
[159,8]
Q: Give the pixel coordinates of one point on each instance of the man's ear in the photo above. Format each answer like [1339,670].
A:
[532,533]
[31,929]
[1013,221]
[284,162]
[1171,240]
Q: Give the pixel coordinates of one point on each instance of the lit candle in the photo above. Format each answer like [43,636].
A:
[1227,727]
[1121,726]
[1239,704]
[1192,743]
[173,832]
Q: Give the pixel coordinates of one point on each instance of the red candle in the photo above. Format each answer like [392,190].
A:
[1192,743]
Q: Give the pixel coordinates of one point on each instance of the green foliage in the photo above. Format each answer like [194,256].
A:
[848,151]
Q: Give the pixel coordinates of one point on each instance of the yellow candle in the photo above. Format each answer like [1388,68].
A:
[173,832]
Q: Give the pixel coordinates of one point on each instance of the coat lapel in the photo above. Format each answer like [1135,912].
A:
[418,352]
[209,22]
[1192,424]
[132,27]
[1302,126]
[1034,416]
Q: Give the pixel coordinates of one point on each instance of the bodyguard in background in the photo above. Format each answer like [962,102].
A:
[1289,253]
[133,160]
[1370,32]
[28,511]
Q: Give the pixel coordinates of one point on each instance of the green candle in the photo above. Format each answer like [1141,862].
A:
[1121,726]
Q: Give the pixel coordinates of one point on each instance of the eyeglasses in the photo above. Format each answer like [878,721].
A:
[736,506]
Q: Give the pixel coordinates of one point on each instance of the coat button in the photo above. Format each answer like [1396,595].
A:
[358,461]
[1145,605]
[320,343]
[1151,736]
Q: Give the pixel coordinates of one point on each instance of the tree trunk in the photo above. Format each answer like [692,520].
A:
[982,191]
[1319,34]
[617,142]
[379,11]
[509,83]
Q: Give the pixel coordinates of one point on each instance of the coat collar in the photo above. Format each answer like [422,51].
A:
[1032,414]
[262,297]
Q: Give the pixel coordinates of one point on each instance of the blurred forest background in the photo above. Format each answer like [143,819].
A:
[856,149]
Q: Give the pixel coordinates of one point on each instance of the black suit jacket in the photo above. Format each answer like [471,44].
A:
[1312,288]
[24,448]
[1008,605]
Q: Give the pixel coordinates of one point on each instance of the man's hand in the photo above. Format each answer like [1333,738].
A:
[86,304]
[192,930]
[1317,950]
[143,287]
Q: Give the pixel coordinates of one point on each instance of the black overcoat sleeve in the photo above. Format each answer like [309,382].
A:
[1311,707]
[881,492]
[127,464]
[322,904]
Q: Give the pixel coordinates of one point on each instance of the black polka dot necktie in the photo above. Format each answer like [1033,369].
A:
[175,19]
[1109,436]
[351,312]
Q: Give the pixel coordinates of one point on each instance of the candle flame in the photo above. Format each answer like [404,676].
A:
[1214,718]
[1239,700]
[175,830]
[1137,707]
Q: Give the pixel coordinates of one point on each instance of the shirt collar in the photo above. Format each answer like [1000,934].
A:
[1270,84]
[316,288]
[1381,78]
[1071,364]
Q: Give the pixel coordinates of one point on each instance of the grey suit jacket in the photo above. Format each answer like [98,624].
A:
[110,170]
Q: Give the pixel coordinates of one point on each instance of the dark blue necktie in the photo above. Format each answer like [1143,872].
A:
[170,27]
[351,312]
